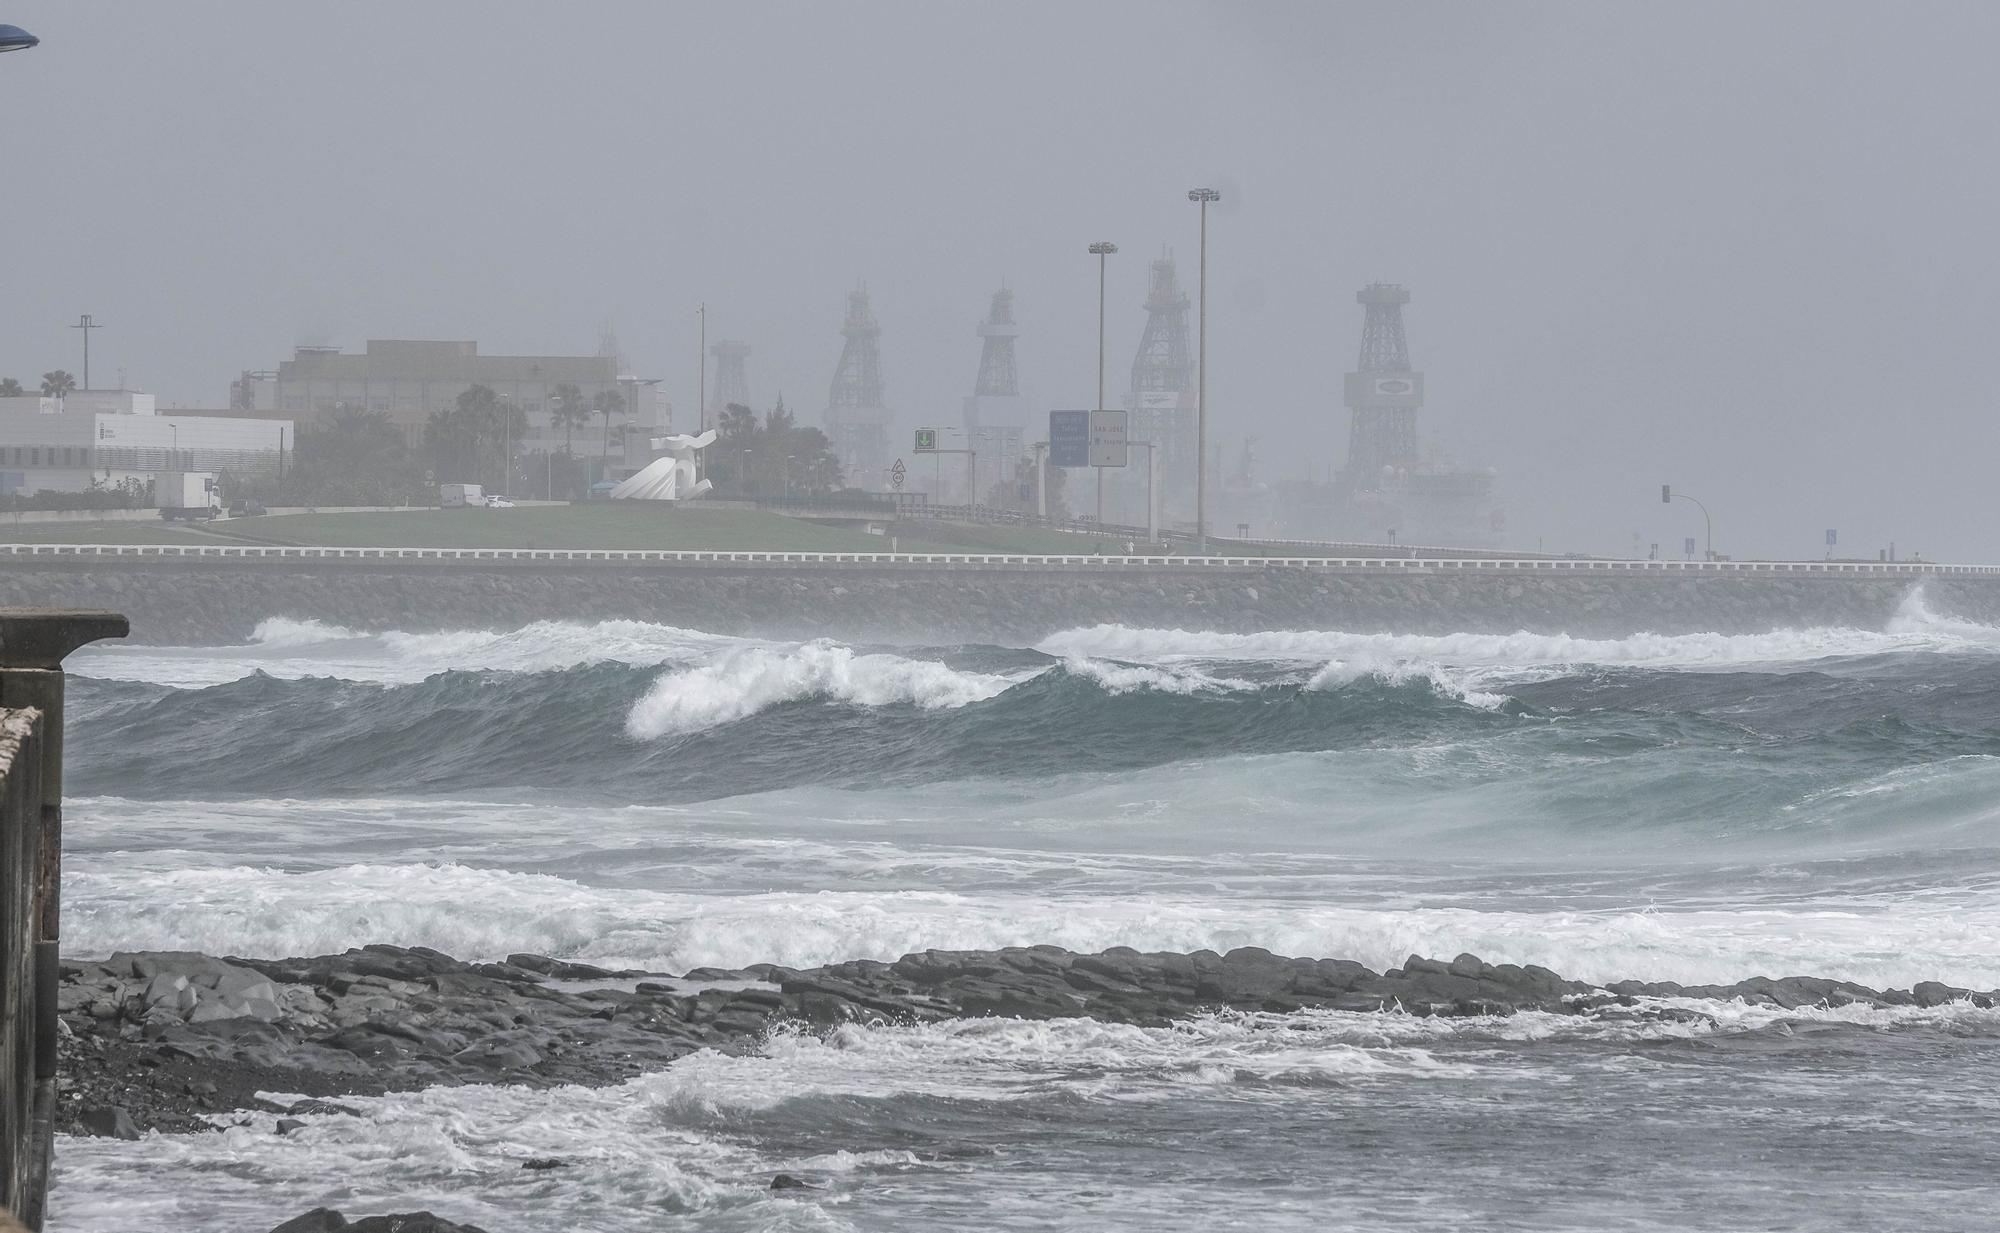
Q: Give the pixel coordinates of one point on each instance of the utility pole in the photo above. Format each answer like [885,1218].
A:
[1103,249]
[85,324]
[701,367]
[1204,196]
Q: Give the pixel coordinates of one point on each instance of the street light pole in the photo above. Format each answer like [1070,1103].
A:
[1668,495]
[1103,249]
[701,366]
[1204,196]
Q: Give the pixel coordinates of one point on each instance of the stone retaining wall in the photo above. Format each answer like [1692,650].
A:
[222,603]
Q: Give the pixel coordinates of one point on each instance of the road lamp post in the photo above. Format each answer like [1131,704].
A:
[13,38]
[1203,196]
[1668,496]
[1102,249]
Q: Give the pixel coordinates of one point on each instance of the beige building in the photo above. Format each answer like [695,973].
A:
[409,379]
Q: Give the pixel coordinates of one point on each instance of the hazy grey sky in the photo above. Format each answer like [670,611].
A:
[1746,248]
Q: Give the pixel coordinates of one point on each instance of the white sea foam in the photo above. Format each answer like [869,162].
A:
[484,914]
[742,681]
[685,1142]
[1914,628]
[1116,678]
[294,649]
[1455,683]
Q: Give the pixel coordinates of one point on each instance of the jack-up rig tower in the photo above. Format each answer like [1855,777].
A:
[732,377]
[996,416]
[856,421]
[1161,400]
[1392,485]
[1384,394]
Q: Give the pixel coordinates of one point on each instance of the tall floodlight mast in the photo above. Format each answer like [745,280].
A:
[1204,196]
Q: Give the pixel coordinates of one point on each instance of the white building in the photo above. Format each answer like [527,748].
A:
[100,438]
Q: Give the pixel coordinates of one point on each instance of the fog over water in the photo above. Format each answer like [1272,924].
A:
[1744,248]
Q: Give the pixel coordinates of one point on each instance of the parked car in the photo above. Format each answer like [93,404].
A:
[241,508]
[496,501]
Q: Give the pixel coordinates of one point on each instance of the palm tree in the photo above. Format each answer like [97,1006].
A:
[57,384]
[567,412]
[10,388]
[609,403]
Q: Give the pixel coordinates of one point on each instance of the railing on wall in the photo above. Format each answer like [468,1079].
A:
[33,643]
[1110,561]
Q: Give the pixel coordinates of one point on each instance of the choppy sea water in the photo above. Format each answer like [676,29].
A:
[1692,808]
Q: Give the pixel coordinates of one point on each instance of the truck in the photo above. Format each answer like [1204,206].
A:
[452,496]
[190,495]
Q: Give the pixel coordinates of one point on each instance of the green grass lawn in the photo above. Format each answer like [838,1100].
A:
[12,532]
[622,525]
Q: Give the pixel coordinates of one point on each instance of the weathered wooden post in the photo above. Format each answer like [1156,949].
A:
[33,643]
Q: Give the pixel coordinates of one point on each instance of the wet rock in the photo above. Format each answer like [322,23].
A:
[318,1220]
[785,1181]
[326,1220]
[391,1019]
[109,1122]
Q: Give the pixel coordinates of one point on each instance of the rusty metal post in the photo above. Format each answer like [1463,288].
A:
[33,643]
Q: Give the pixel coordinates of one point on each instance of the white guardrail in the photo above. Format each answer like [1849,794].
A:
[1107,561]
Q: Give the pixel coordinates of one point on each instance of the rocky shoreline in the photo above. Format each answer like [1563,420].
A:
[176,1041]
[216,604]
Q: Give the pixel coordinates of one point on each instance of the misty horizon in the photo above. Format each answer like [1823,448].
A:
[1740,251]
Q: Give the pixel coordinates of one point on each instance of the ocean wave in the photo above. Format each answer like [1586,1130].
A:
[747,680]
[1914,628]
[479,914]
[292,649]
[1117,678]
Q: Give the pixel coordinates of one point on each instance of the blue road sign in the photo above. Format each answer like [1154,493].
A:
[1832,537]
[1069,438]
[1687,545]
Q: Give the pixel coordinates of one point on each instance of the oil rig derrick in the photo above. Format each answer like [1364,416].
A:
[856,421]
[1160,404]
[996,416]
[1384,394]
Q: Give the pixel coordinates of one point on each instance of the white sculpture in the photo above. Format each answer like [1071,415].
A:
[670,478]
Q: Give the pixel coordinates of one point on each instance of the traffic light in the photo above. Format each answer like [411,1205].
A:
[1666,494]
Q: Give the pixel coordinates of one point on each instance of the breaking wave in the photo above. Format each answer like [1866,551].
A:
[743,681]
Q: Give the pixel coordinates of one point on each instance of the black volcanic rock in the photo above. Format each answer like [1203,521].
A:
[178,1041]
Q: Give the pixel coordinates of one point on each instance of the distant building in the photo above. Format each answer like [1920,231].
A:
[72,444]
[410,379]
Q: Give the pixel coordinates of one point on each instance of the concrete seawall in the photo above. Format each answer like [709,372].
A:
[220,602]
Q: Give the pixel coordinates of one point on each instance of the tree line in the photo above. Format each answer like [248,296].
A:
[54,385]
[348,455]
